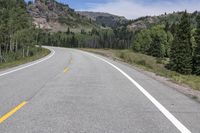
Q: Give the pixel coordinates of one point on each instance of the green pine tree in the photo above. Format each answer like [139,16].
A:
[181,50]
[167,26]
[197,49]
[173,29]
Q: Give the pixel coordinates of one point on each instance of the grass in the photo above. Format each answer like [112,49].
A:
[151,64]
[42,52]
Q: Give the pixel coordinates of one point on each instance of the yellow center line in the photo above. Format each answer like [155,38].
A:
[66,70]
[7,115]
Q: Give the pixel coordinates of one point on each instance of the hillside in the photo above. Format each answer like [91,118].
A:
[104,19]
[148,21]
[54,16]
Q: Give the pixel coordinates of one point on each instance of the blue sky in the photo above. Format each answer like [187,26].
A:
[87,4]
[82,4]
[134,8]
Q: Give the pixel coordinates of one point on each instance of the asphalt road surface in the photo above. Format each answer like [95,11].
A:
[71,91]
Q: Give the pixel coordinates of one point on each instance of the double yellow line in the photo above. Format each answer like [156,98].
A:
[11,112]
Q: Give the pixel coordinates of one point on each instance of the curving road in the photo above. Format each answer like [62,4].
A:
[71,91]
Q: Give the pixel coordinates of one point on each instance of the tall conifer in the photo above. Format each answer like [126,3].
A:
[197,49]
[181,51]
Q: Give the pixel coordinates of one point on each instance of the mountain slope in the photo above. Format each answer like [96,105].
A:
[51,15]
[148,21]
[104,19]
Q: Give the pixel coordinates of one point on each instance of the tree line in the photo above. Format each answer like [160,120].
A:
[118,38]
[178,42]
[17,34]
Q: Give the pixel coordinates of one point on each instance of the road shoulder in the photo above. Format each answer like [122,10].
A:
[182,88]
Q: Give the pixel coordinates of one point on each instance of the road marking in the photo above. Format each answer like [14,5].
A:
[7,115]
[66,70]
[160,107]
[32,64]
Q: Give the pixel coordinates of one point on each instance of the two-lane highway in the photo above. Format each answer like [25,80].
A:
[73,91]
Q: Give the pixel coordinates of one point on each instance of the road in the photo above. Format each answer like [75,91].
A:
[72,91]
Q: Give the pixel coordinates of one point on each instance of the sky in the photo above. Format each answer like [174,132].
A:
[132,9]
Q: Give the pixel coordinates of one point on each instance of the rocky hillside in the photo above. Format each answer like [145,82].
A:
[148,21]
[51,15]
[104,19]
[54,16]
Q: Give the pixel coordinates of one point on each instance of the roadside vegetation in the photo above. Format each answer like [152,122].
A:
[37,54]
[18,37]
[179,42]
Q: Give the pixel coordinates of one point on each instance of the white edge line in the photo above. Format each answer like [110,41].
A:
[160,107]
[32,64]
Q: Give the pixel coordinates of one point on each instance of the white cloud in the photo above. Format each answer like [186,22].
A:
[134,8]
